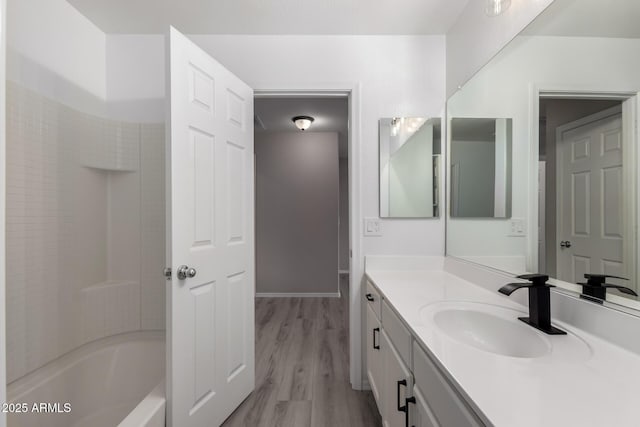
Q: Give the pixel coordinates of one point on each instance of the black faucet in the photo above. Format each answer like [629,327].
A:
[596,289]
[539,302]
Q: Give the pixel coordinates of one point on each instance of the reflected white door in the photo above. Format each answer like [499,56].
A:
[590,197]
[210,329]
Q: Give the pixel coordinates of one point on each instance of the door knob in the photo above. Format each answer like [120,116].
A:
[565,244]
[185,272]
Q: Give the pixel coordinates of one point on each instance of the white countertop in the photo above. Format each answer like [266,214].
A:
[601,388]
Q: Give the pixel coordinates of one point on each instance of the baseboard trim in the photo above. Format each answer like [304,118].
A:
[297,295]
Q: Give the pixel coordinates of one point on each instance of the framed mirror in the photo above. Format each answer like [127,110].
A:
[480,162]
[409,167]
[570,83]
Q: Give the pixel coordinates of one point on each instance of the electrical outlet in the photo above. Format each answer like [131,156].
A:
[372,227]
[517,227]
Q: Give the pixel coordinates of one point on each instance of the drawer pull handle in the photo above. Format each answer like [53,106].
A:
[406,405]
[401,408]
[375,346]
[370,297]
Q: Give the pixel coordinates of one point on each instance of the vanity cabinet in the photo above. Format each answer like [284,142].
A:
[441,401]
[419,412]
[404,379]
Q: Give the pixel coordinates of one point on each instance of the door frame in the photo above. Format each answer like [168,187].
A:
[627,186]
[630,98]
[352,92]
[542,223]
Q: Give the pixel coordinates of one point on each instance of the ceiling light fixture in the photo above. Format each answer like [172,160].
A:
[497,7]
[302,122]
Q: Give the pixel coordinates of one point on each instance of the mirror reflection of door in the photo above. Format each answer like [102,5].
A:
[584,220]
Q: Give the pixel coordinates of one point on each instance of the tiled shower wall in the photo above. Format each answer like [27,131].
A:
[85,228]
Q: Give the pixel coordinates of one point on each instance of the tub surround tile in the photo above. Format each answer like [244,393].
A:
[63,167]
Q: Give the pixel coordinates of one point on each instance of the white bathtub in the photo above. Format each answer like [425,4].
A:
[109,382]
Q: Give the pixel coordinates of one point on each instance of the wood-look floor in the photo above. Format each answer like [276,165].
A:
[302,368]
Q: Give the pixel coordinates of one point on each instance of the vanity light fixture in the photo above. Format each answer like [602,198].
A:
[395,126]
[302,122]
[497,7]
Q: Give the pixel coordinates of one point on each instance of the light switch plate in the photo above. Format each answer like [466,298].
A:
[372,227]
[517,227]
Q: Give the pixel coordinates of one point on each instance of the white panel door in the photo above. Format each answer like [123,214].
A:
[590,198]
[210,328]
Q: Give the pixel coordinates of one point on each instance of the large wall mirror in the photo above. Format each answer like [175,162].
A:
[570,84]
[409,163]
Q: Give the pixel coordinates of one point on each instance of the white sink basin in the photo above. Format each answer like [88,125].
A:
[487,327]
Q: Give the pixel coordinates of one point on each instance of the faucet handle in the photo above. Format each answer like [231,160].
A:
[601,278]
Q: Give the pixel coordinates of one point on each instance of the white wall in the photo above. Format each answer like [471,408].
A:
[475,37]
[135,78]
[400,76]
[503,89]
[56,51]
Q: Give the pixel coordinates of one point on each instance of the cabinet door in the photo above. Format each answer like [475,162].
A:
[396,385]
[446,404]
[374,356]
[420,413]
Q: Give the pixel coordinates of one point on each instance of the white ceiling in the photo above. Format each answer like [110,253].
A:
[330,114]
[588,18]
[272,16]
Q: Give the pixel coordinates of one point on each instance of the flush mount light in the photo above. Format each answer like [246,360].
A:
[302,122]
[496,7]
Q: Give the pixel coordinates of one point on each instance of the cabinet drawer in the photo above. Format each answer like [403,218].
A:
[398,333]
[447,406]
[373,298]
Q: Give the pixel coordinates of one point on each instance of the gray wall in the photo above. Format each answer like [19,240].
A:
[297,208]
[476,186]
[344,213]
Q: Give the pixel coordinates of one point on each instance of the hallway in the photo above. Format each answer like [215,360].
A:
[302,367]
